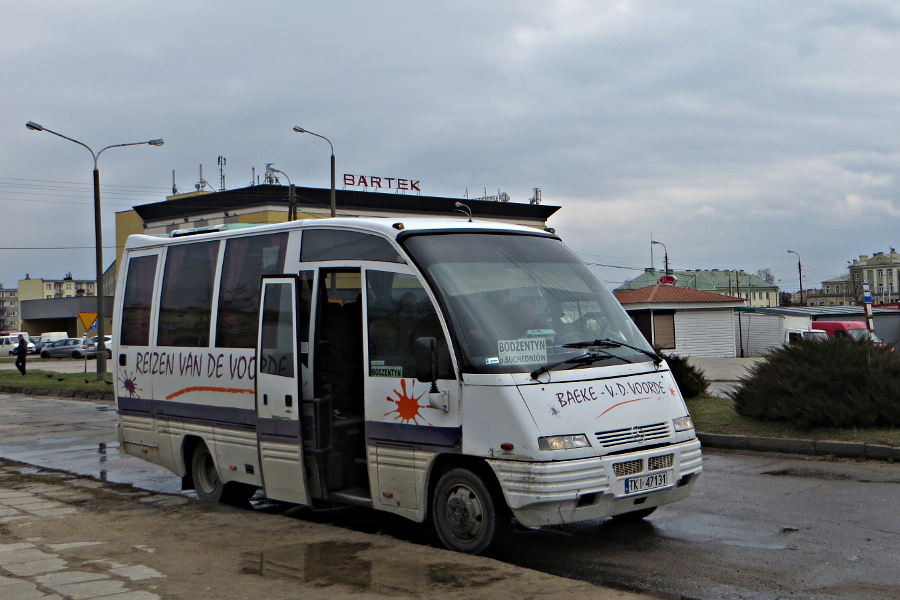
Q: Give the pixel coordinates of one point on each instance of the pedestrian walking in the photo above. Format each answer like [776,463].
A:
[21,352]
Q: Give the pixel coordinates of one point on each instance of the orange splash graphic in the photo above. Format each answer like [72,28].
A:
[206,388]
[408,407]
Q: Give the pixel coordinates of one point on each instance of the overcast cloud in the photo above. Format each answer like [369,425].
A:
[733,131]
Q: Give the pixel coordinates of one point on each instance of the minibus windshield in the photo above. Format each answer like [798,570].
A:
[516,303]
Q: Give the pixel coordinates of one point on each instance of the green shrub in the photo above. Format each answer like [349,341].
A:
[840,382]
[690,379]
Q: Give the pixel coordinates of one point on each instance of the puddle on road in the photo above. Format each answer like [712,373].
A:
[339,563]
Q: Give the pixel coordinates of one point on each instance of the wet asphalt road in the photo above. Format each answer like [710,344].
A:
[758,526]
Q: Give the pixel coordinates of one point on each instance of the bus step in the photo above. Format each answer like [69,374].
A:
[354,496]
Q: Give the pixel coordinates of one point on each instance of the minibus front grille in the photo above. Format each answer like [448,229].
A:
[631,467]
[656,463]
[639,434]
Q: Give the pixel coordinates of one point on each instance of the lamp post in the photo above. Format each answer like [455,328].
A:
[98,237]
[299,129]
[665,256]
[800,272]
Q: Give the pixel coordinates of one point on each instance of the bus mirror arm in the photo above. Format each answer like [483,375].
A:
[425,351]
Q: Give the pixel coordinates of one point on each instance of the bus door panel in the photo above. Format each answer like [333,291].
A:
[278,391]
[132,357]
[404,427]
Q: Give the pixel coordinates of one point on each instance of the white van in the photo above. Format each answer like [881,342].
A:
[461,372]
[9,342]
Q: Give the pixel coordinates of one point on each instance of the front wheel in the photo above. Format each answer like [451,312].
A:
[207,482]
[465,515]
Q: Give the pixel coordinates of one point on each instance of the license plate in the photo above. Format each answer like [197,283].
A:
[644,483]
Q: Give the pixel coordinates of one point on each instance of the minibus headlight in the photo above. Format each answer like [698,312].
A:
[683,423]
[563,442]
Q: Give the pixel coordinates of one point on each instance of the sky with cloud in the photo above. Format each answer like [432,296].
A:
[730,131]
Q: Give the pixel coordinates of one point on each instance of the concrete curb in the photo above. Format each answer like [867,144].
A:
[807,447]
[69,394]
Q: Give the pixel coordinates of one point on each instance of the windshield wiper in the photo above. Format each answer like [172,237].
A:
[609,343]
[582,359]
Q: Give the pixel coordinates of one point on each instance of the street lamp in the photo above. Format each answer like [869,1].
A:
[299,129]
[800,272]
[98,237]
[666,256]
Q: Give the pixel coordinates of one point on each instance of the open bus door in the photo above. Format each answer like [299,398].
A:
[278,390]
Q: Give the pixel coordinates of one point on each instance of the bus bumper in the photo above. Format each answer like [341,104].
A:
[551,493]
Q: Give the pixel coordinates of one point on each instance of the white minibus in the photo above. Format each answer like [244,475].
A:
[469,373]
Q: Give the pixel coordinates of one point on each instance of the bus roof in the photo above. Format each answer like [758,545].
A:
[389,227]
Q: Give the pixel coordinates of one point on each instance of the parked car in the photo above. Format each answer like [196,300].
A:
[67,348]
[46,338]
[9,343]
[91,346]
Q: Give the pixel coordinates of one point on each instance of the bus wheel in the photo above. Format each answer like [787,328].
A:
[633,516]
[464,513]
[207,482]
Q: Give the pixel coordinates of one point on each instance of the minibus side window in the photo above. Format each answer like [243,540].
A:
[337,244]
[399,312]
[277,340]
[187,290]
[137,301]
[246,260]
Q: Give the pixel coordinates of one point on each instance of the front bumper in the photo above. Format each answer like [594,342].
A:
[551,493]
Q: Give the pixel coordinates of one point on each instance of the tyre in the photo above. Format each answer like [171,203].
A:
[45,355]
[634,516]
[76,355]
[464,511]
[207,482]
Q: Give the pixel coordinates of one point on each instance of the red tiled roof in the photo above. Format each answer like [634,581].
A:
[668,294]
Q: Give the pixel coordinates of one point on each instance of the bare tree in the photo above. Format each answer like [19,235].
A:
[766,275]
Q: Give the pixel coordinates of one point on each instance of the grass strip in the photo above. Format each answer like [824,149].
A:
[712,414]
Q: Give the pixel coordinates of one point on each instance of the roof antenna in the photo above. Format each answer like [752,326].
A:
[222,173]
[460,207]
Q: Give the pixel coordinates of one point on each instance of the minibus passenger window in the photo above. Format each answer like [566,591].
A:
[277,343]
[337,244]
[137,300]
[186,302]
[246,259]
[399,312]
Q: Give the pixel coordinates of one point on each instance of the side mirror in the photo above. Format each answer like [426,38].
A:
[425,351]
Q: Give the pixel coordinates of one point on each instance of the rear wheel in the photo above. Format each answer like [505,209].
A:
[465,515]
[634,516]
[207,482]
[45,355]
[76,355]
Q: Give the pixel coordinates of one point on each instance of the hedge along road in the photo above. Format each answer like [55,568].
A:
[758,526]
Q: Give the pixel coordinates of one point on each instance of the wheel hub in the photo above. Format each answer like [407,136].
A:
[464,513]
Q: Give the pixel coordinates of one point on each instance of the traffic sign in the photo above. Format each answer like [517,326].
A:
[88,319]
[867,292]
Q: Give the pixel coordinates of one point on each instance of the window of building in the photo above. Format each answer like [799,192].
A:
[187,291]
[246,261]
[664,329]
[137,301]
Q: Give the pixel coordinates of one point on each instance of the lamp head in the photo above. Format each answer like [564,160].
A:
[299,129]
[156,142]
[34,126]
